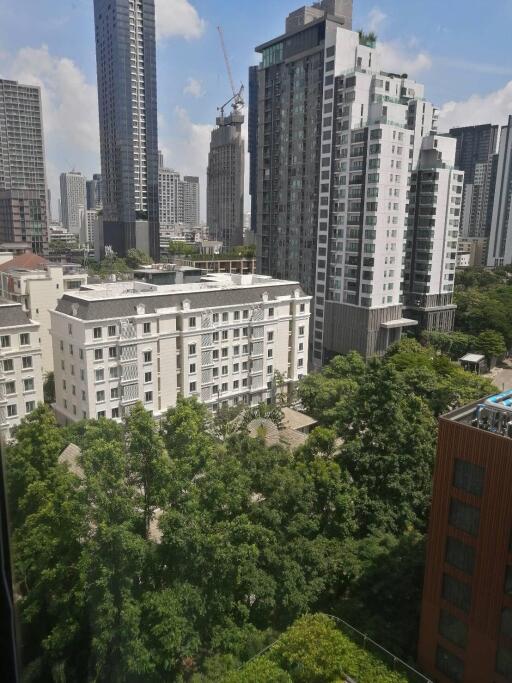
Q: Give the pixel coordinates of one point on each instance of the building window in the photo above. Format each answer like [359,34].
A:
[236,350]
[504,662]
[451,665]
[61,344]
[300,363]
[30,406]
[83,395]
[464,517]
[192,349]
[469,477]
[111,330]
[147,328]
[245,314]
[215,336]
[225,317]
[24,339]
[244,382]
[456,592]
[215,318]
[301,331]
[224,369]
[236,334]
[236,367]
[28,384]
[12,410]
[215,372]
[236,315]
[99,375]
[270,369]
[98,354]
[506,622]
[147,356]
[100,414]
[245,332]
[192,386]
[236,384]
[270,353]
[148,397]
[10,387]
[215,354]
[64,384]
[225,353]
[114,392]
[71,349]
[270,336]
[5,341]
[97,333]
[245,348]
[270,312]
[224,335]
[9,364]
[70,328]
[26,362]
[460,555]
[114,372]
[453,629]
[224,387]
[81,354]
[302,308]
[100,396]
[244,366]
[112,351]
[191,323]
[115,413]
[148,377]
[215,389]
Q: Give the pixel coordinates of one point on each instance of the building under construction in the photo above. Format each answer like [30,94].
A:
[225,175]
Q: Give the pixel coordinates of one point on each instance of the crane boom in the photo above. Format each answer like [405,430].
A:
[226,59]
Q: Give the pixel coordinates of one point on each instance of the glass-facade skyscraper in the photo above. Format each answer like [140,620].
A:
[127,100]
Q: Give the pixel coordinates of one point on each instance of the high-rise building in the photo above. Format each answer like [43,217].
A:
[337,139]
[466,616]
[500,239]
[476,156]
[225,188]
[170,194]
[94,195]
[73,200]
[23,189]
[126,69]
[252,143]
[49,205]
[435,203]
[191,202]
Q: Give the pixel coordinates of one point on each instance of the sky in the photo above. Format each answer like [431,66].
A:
[460,50]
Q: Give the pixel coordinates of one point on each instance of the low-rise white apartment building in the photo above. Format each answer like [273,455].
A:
[38,290]
[21,381]
[222,339]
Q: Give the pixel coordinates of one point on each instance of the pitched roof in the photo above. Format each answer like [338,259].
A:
[29,261]
[12,315]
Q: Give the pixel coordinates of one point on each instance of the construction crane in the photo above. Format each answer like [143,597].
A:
[237,100]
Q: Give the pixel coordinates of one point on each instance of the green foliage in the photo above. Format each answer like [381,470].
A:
[260,670]
[136,258]
[179,248]
[49,388]
[491,344]
[314,650]
[453,344]
[108,267]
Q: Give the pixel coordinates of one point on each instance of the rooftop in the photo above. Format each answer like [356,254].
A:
[114,299]
[491,414]
[12,315]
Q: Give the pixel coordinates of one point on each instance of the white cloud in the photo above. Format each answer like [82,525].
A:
[376,18]
[494,107]
[399,58]
[194,88]
[70,110]
[178,18]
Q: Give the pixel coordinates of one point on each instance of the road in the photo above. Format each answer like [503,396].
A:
[502,376]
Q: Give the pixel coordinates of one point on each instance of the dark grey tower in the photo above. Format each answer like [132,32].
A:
[253,143]
[225,192]
[126,69]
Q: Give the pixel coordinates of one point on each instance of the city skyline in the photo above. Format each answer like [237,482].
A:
[465,74]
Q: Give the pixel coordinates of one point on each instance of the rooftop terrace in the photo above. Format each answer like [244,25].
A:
[491,414]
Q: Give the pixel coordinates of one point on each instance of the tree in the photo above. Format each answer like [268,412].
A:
[389,443]
[136,258]
[148,464]
[491,344]
[49,388]
[182,249]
